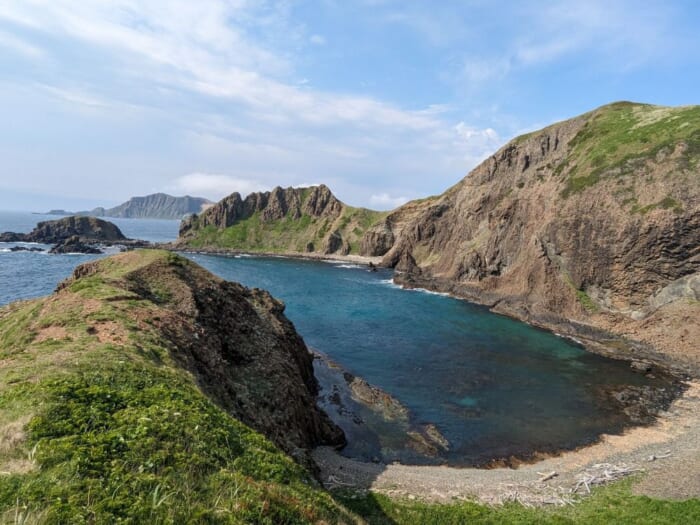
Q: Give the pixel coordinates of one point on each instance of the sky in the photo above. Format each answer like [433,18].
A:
[381,100]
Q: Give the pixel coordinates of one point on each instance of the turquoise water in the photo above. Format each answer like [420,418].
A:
[494,387]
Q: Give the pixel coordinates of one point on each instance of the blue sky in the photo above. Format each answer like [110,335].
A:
[381,100]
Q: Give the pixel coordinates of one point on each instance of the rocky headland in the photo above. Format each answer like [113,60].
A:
[73,235]
[293,221]
[145,370]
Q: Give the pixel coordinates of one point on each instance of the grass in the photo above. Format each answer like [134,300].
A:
[288,234]
[618,139]
[114,431]
[613,504]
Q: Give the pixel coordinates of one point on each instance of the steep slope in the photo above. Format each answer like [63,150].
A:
[129,395]
[291,220]
[595,219]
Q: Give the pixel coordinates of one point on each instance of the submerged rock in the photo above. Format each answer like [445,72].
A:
[74,245]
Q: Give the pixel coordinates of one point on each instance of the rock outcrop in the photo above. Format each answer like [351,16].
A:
[242,350]
[74,245]
[291,220]
[594,220]
[74,235]
[54,232]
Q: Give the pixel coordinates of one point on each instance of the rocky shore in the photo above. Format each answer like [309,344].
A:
[75,234]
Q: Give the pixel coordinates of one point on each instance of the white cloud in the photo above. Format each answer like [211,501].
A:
[202,47]
[214,186]
[386,201]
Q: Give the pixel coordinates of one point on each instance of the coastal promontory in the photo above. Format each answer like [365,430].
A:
[147,389]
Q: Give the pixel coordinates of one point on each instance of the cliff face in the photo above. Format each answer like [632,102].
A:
[301,220]
[242,350]
[595,219]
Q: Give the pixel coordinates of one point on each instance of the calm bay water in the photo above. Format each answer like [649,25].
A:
[494,387]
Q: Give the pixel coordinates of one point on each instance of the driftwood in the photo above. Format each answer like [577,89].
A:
[662,455]
[546,476]
[602,473]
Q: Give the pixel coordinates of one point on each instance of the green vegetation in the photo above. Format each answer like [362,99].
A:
[583,298]
[613,504]
[99,425]
[618,139]
[667,203]
[288,234]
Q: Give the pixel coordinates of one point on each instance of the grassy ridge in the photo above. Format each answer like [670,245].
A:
[288,234]
[619,138]
[99,425]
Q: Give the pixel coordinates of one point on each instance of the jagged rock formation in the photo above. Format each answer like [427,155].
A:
[154,206]
[86,229]
[243,351]
[291,220]
[595,219]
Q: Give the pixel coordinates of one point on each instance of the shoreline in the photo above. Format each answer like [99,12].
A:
[660,452]
[676,429]
[311,256]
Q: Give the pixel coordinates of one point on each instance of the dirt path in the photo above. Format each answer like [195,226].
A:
[674,442]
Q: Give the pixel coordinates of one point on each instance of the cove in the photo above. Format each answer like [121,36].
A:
[485,386]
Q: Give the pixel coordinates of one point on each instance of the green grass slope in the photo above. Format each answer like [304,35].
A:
[619,139]
[99,425]
[288,234]
[291,220]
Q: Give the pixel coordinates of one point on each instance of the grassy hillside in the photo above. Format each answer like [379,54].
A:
[620,138]
[98,423]
[304,234]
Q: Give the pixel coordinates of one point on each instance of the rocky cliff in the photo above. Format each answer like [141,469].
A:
[53,232]
[291,220]
[594,220]
[130,394]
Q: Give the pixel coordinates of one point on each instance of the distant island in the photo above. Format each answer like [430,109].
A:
[155,206]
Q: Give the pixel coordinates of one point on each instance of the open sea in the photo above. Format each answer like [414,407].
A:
[492,386]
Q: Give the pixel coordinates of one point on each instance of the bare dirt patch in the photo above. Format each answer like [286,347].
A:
[109,332]
[12,434]
[56,333]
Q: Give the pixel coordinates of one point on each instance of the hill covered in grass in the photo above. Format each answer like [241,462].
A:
[143,390]
[291,220]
